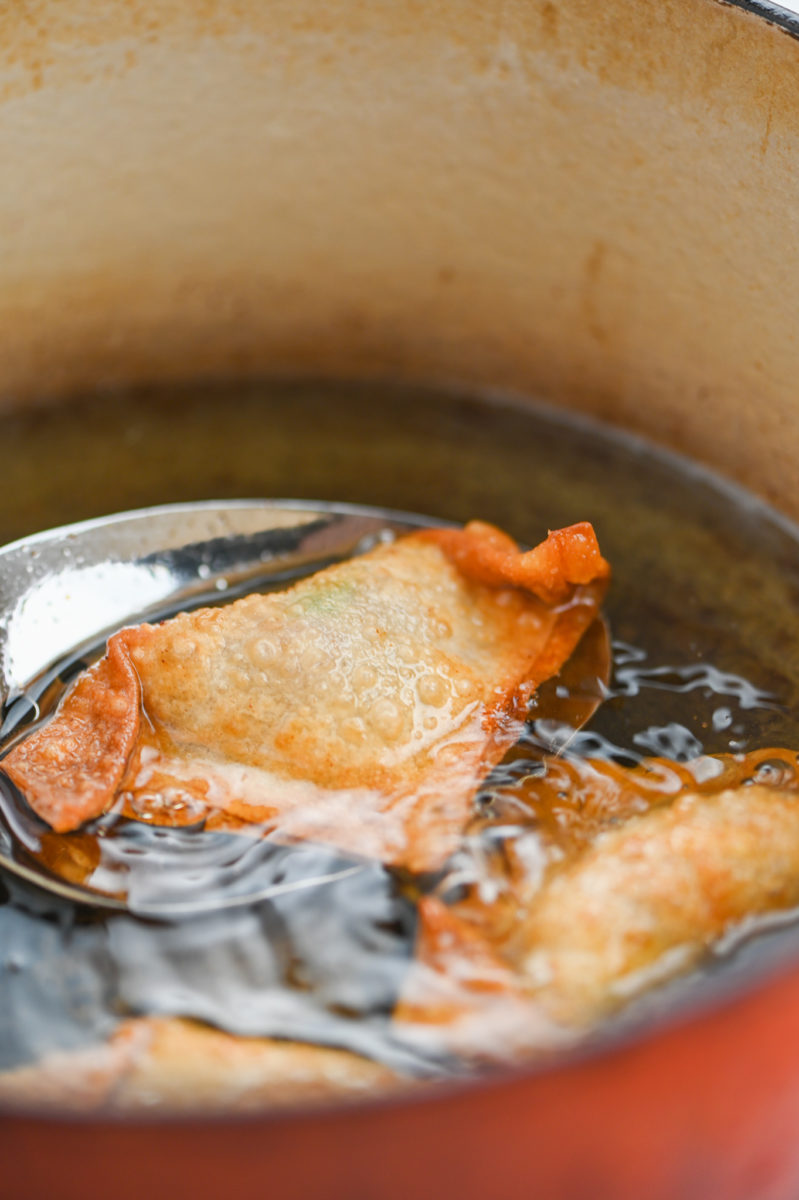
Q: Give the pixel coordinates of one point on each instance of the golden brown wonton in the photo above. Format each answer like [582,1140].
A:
[647,900]
[361,707]
[165,1063]
[654,868]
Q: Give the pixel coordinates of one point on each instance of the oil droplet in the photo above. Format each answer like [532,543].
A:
[387,719]
[364,677]
[449,756]
[353,731]
[433,690]
[264,651]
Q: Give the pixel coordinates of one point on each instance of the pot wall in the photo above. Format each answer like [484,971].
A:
[594,202]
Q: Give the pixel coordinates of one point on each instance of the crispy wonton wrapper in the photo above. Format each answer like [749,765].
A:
[360,708]
[647,900]
[461,996]
[165,1064]
[623,878]
[643,902]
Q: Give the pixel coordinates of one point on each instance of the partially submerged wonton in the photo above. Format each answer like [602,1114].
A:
[161,1063]
[361,707]
[633,895]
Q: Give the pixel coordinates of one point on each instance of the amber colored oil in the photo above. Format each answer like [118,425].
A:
[703,613]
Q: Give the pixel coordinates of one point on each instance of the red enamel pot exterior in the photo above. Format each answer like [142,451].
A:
[708,1108]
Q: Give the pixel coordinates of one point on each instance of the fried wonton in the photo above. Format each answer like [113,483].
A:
[647,900]
[159,1064]
[659,863]
[462,997]
[361,707]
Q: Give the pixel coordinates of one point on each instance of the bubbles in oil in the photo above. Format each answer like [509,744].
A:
[702,695]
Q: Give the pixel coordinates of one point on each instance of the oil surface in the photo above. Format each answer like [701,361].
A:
[703,612]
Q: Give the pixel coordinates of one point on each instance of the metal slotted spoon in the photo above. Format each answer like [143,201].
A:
[64,591]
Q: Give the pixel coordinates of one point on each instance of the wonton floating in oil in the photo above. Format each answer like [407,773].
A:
[625,878]
[361,707]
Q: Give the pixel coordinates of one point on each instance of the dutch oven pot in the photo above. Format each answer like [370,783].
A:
[594,203]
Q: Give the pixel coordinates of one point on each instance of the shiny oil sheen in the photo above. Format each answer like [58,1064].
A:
[702,612]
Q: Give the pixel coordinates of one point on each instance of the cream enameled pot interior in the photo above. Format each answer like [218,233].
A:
[597,203]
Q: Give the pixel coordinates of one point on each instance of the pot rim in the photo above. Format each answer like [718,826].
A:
[775,14]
